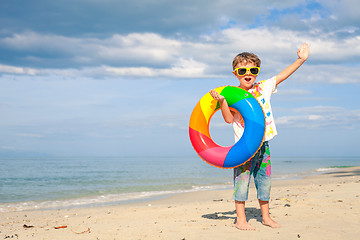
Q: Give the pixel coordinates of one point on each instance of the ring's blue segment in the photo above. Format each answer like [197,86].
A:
[253,135]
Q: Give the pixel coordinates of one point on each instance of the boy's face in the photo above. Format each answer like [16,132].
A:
[247,80]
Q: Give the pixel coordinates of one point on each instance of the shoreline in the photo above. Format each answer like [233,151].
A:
[324,206]
[139,197]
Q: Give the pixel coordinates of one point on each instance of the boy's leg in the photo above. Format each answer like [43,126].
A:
[241,222]
[262,180]
[267,220]
[241,188]
[241,181]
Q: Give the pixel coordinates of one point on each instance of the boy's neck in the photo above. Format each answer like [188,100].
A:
[244,88]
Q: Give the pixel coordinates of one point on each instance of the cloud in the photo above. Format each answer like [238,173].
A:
[153,55]
[139,49]
[184,68]
[30,135]
[320,117]
[330,74]
[17,70]
[8,147]
[345,12]
[294,92]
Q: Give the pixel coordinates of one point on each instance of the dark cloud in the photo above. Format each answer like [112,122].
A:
[165,34]
[92,17]
[187,18]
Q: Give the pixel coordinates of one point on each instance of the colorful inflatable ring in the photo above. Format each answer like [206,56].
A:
[249,143]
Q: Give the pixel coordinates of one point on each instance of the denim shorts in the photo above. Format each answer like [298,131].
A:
[260,167]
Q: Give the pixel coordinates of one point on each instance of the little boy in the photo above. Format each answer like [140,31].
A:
[246,67]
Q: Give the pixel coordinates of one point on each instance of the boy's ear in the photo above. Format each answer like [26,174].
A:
[234,73]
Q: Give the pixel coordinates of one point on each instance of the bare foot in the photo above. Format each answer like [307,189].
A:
[244,226]
[271,223]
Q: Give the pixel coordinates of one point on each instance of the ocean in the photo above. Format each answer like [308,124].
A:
[29,183]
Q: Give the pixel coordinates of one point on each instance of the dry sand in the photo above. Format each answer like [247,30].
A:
[325,206]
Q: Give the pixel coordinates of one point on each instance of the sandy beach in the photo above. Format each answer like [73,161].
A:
[325,206]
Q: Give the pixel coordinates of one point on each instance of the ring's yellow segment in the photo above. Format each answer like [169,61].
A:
[203,112]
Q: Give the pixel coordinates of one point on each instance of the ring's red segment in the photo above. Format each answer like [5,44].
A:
[207,149]
[215,156]
[200,141]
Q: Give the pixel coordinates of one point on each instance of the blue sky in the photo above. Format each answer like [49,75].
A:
[120,78]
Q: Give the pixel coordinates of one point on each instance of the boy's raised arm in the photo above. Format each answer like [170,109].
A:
[303,54]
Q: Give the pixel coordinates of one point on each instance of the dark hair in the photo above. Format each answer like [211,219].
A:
[245,58]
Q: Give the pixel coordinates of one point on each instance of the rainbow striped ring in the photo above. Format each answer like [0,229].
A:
[251,140]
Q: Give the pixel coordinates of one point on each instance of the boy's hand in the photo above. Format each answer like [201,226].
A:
[303,52]
[216,95]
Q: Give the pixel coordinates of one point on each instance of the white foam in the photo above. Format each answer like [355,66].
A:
[324,169]
[98,200]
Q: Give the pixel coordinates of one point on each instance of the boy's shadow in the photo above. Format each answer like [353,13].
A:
[251,213]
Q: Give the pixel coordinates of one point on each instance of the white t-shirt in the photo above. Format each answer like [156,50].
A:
[262,91]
